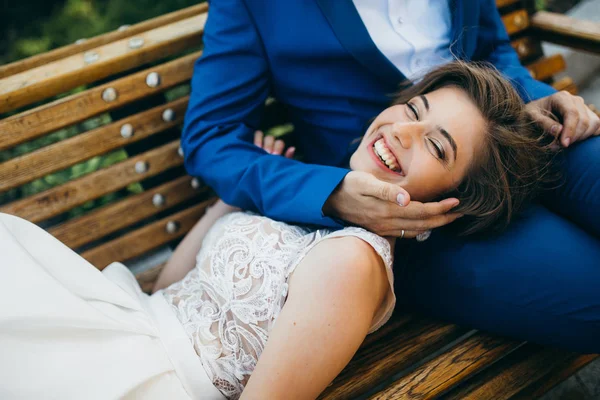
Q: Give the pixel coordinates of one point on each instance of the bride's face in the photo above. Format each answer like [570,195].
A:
[426,146]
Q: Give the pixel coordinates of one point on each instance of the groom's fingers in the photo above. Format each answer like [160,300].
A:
[258,139]
[289,153]
[419,211]
[268,143]
[371,186]
[425,224]
[278,147]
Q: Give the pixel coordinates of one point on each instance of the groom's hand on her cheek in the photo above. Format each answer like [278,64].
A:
[385,208]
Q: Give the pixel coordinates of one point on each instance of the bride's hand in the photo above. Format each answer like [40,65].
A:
[364,200]
[272,145]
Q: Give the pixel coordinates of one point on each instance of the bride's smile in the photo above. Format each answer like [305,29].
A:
[425,145]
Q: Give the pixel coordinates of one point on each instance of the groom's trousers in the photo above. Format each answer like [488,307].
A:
[539,280]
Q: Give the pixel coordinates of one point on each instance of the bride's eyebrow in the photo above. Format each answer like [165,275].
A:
[449,138]
[444,132]
[425,101]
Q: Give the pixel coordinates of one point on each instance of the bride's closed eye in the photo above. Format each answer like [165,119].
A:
[438,148]
[413,110]
[435,144]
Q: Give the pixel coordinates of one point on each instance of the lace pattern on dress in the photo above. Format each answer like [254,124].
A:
[229,302]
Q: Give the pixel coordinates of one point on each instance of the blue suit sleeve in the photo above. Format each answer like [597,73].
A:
[230,84]
[493,45]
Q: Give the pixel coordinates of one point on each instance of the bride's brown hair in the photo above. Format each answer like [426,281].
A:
[516,154]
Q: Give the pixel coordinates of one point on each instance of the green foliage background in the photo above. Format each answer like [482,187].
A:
[29,27]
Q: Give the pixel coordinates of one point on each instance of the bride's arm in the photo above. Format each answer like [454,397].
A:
[184,258]
[334,295]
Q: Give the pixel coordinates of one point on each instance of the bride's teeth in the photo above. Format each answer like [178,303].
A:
[385,155]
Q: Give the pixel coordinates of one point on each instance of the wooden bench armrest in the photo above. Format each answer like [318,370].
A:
[564,30]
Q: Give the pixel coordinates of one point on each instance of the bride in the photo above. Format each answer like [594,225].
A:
[251,307]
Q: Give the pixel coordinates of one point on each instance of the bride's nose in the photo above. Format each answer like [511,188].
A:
[402,135]
[406,134]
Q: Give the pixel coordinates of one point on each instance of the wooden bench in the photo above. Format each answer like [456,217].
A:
[132,107]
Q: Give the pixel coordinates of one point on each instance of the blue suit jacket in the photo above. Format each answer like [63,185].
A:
[316,57]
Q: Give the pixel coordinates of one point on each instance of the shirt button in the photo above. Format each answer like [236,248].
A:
[400,20]
[418,62]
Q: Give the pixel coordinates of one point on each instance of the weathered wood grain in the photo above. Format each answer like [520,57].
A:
[567,84]
[97,41]
[567,31]
[516,21]
[66,153]
[527,48]
[546,67]
[530,363]
[36,122]
[101,222]
[448,369]
[74,193]
[62,75]
[401,345]
[558,374]
[147,238]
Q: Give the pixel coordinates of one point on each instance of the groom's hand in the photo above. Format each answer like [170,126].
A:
[579,122]
[385,208]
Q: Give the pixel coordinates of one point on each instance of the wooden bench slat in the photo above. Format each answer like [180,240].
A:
[147,238]
[527,48]
[65,51]
[57,77]
[556,376]
[383,355]
[546,67]
[448,369]
[516,21]
[66,153]
[567,84]
[147,278]
[60,199]
[34,123]
[507,378]
[113,217]
[504,3]
[567,31]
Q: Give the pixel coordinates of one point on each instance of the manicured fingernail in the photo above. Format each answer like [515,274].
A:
[556,129]
[567,142]
[452,202]
[401,199]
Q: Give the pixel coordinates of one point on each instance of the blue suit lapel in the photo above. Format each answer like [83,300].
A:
[353,35]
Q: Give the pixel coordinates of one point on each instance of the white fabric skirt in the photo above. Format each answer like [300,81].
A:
[69,331]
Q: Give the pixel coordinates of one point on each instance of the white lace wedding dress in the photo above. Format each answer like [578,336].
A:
[69,331]
[229,302]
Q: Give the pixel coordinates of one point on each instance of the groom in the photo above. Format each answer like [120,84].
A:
[334,63]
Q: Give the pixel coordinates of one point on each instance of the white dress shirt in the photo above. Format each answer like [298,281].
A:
[413,34]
